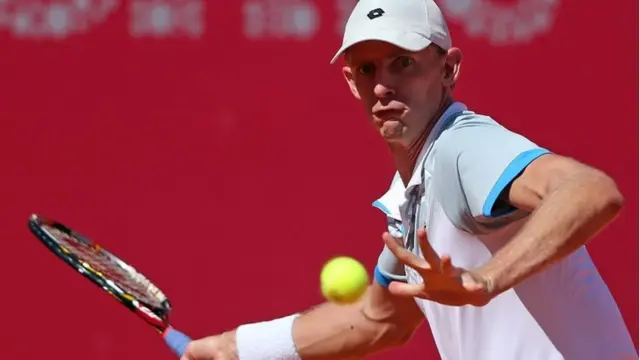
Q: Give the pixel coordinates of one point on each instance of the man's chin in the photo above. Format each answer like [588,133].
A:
[397,140]
[392,130]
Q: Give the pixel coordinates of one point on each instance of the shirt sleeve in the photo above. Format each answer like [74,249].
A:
[389,268]
[475,161]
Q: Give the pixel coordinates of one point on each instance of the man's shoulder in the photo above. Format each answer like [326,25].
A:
[470,119]
[470,127]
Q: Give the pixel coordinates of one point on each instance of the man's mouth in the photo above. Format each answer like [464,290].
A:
[389,114]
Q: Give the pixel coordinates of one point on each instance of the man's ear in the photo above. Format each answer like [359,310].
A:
[452,64]
[351,81]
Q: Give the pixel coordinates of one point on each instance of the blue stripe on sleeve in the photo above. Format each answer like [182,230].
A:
[508,175]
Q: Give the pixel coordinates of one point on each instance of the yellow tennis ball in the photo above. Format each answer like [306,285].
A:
[343,280]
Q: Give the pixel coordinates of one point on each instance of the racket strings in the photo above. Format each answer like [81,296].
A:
[101,261]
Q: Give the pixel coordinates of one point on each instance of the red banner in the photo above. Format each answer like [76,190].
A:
[216,149]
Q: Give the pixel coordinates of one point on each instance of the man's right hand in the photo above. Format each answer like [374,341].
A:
[219,347]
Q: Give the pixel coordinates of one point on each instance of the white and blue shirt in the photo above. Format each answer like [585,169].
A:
[565,312]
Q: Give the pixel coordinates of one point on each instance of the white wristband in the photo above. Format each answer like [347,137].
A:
[269,340]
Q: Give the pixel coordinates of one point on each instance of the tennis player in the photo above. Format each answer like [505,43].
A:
[486,230]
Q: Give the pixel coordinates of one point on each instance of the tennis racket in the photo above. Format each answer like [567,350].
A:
[111,274]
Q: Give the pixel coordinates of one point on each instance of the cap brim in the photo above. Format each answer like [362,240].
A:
[403,39]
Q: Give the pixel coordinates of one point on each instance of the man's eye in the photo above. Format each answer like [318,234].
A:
[366,69]
[405,61]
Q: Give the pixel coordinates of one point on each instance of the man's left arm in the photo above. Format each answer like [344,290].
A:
[569,203]
[488,176]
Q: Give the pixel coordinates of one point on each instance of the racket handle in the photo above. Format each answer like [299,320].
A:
[176,340]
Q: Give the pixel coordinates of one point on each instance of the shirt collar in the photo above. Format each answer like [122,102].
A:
[390,202]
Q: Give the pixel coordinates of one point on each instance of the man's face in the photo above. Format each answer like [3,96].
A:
[400,90]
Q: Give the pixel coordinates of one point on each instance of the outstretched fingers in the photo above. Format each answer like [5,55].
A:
[405,256]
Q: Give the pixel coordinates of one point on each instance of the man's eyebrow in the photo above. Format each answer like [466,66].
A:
[399,52]
[390,56]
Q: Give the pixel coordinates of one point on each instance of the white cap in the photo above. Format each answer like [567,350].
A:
[409,24]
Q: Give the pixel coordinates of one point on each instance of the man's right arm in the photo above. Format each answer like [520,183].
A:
[330,331]
[378,321]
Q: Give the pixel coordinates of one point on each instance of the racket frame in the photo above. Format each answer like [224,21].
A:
[154,316]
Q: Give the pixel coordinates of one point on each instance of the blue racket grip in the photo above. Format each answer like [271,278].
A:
[177,341]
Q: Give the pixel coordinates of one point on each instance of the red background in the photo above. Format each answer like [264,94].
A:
[230,169]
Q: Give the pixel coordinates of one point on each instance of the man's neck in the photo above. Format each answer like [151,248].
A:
[404,157]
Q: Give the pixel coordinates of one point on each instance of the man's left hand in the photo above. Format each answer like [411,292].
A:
[442,282]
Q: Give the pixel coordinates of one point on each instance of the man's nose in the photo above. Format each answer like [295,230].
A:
[383,91]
